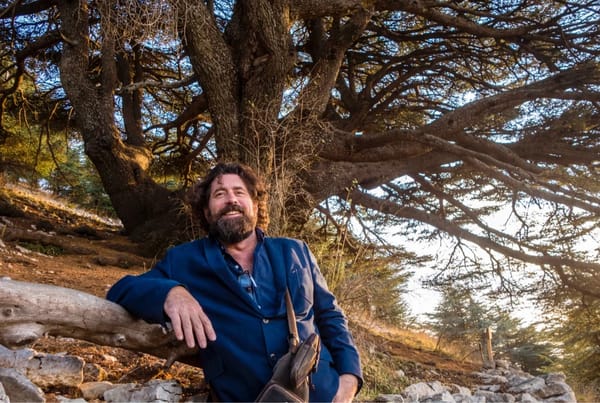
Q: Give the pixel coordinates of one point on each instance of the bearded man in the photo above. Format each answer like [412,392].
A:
[225,293]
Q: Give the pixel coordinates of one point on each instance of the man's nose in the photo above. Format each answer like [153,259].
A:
[232,199]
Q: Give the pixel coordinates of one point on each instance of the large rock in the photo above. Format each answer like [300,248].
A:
[95,390]
[44,369]
[18,388]
[152,391]
[500,384]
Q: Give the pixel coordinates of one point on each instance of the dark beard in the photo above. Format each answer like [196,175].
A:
[231,230]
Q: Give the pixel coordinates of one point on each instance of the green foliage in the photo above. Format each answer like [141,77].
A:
[29,156]
[50,250]
[77,180]
[29,148]
[527,346]
[379,372]
[578,332]
[366,279]
[460,318]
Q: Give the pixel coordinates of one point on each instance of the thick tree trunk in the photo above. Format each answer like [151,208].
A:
[30,310]
[143,206]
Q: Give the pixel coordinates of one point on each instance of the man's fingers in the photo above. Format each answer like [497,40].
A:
[209,331]
[203,329]
[189,321]
[176,324]
[188,331]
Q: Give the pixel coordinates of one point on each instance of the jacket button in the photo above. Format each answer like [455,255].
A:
[265,321]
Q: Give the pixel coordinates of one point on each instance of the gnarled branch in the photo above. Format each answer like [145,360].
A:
[30,311]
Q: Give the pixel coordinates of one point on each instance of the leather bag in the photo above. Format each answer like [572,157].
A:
[290,382]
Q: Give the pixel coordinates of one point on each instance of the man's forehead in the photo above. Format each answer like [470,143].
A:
[232,180]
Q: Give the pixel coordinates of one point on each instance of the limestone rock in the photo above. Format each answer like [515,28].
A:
[18,388]
[94,390]
[3,396]
[152,391]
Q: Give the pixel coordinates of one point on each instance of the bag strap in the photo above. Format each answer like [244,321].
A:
[293,337]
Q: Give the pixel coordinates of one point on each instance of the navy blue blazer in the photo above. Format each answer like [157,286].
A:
[239,363]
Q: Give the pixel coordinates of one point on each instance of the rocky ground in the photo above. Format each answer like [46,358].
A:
[44,241]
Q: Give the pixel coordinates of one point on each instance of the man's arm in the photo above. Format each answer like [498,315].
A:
[333,328]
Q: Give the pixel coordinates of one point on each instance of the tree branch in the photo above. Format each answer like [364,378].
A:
[485,243]
[30,310]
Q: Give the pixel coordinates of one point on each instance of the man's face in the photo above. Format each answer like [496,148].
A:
[231,212]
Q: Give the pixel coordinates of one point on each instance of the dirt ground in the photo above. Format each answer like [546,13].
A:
[44,242]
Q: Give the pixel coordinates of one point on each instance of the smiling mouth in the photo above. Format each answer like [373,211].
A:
[232,212]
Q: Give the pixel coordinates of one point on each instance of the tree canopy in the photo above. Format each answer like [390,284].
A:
[433,117]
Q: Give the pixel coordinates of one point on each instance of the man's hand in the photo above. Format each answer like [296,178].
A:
[347,389]
[189,321]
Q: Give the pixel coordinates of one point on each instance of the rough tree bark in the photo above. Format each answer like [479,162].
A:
[30,311]
[122,163]
[330,100]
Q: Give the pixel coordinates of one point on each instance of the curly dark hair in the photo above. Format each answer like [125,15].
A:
[200,192]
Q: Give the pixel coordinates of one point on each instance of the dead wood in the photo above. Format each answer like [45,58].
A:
[30,311]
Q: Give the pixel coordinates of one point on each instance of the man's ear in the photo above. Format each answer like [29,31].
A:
[206,213]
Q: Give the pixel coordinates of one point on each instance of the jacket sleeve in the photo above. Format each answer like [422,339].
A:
[144,295]
[333,325]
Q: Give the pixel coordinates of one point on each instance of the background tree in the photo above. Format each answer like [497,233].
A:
[433,117]
[528,346]
[576,331]
[460,319]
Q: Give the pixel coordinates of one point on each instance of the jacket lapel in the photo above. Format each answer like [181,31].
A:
[280,265]
[218,265]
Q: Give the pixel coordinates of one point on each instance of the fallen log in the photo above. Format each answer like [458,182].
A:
[29,311]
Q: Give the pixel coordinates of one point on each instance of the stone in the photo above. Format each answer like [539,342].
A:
[18,388]
[444,397]
[54,370]
[491,397]
[527,398]
[566,398]
[491,388]
[555,377]
[390,398]
[529,386]
[553,389]
[62,399]
[424,389]
[3,395]
[468,399]
[516,379]
[461,390]
[94,390]
[44,369]
[152,391]
[493,379]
